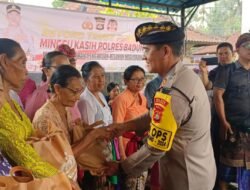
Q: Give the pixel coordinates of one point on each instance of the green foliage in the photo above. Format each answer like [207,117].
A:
[222,19]
[126,13]
[57,3]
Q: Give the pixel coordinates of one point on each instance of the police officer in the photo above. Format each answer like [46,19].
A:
[16,31]
[188,164]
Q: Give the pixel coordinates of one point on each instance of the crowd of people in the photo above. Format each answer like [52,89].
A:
[171,132]
[230,112]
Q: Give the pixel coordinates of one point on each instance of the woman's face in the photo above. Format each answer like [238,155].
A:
[17,69]
[136,82]
[114,92]
[71,93]
[96,80]
[56,62]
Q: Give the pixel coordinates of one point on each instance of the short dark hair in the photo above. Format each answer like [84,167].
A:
[62,75]
[8,47]
[48,60]
[129,71]
[225,44]
[111,86]
[177,47]
[87,68]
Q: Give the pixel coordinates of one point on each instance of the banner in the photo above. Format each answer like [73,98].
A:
[106,39]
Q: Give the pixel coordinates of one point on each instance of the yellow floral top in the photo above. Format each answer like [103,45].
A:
[13,134]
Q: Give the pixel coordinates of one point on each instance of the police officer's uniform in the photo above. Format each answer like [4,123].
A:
[189,164]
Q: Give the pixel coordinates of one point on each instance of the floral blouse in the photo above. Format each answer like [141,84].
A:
[14,132]
[48,112]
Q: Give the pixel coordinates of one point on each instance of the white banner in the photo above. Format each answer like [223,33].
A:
[106,39]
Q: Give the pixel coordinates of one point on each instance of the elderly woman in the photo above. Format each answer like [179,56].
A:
[93,105]
[15,126]
[71,54]
[65,88]
[66,85]
[130,104]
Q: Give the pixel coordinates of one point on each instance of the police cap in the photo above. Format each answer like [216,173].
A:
[13,7]
[158,33]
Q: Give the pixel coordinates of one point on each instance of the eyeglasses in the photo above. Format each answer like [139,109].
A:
[52,66]
[246,45]
[75,92]
[56,66]
[141,80]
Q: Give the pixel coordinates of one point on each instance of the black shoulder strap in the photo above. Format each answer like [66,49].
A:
[189,102]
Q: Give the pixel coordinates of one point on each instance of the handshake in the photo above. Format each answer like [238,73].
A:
[93,149]
[109,132]
[92,145]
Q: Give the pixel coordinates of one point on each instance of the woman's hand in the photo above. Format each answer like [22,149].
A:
[101,133]
[74,185]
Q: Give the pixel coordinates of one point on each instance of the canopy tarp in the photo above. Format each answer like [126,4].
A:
[157,6]
[176,5]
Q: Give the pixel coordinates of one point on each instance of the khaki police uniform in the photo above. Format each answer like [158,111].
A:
[189,164]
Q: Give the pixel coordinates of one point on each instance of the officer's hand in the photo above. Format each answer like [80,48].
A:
[203,67]
[225,129]
[112,168]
